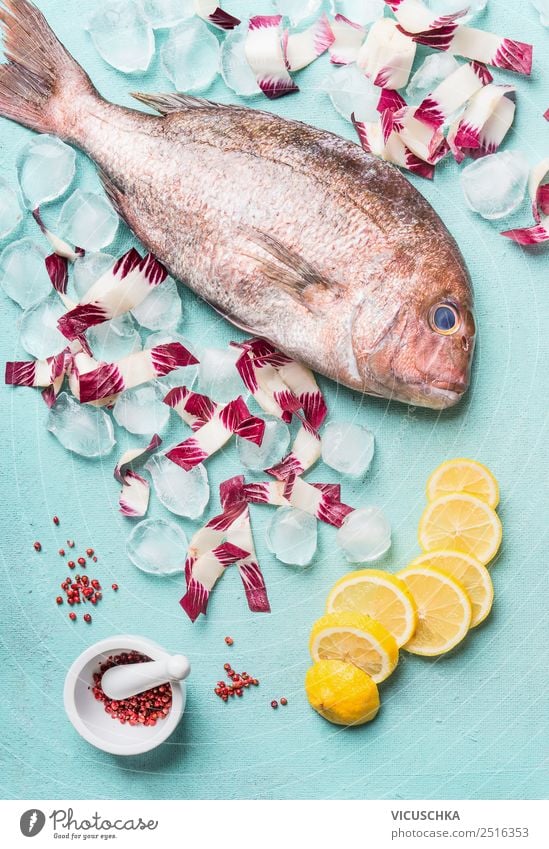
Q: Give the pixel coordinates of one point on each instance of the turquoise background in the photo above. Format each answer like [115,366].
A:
[471,725]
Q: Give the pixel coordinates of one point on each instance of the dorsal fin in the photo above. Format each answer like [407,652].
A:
[174,101]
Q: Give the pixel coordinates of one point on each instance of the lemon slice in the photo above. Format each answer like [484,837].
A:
[341,692]
[472,575]
[443,610]
[462,475]
[379,595]
[356,639]
[460,522]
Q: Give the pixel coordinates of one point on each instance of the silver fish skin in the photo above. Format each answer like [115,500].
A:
[291,232]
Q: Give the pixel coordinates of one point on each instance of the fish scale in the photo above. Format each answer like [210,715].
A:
[289,231]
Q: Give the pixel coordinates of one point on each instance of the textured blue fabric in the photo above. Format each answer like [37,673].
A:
[471,725]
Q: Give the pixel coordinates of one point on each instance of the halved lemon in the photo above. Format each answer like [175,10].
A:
[443,610]
[377,594]
[460,522]
[462,475]
[356,639]
[472,575]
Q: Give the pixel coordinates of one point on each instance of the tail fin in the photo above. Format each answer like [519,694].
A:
[40,73]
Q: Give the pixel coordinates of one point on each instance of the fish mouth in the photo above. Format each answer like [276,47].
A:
[457,387]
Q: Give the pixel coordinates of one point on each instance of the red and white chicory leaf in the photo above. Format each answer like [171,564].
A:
[60,247]
[119,290]
[304,47]
[452,93]
[264,50]
[133,370]
[195,409]
[485,122]
[134,497]
[213,14]
[348,39]
[387,55]
[315,499]
[229,419]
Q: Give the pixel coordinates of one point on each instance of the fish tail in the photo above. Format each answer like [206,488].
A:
[41,78]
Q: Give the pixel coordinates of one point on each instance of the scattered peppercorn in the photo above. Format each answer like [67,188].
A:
[274,704]
[37,546]
[115,587]
[81,561]
[59,599]
[71,564]
[70,543]
[62,552]
[89,552]
[72,616]
[87,617]
[56,520]
[283,701]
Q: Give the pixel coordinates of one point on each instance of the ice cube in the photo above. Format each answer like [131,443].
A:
[359,11]
[38,333]
[167,13]
[542,6]
[190,56]
[23,275]
[448,7]
[181,492]
[347,447]
[45,169]
[114,339]
[10,211]
[350,91]
[235,68]
[161,309]
[292,536]
[88,220]
[141,410]
[183,376]
[158,547]
[432,71]
[365,535]
[122,36]
[80,428]
[297,10]
[494,186]
[217,374]
[276,440]
[88,269]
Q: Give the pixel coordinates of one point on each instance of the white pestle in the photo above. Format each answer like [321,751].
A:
[122,682]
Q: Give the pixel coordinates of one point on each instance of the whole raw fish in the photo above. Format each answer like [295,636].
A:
[290,232]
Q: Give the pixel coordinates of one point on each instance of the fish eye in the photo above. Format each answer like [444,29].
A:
[444,319]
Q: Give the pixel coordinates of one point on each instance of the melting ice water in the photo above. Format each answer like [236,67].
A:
[347,447]
[88,269]
[45,169]
[350,91]
[79,428]
[292,536]
[166,13]
[184,376]
[23,275]
[365,535]
[297,10]
[88,220]
[432,71]
[235,69]
[494,186]
[38,333]
[217,374]
[141,410]
[158,547]
[542,6]
[274,446]
[181,492]
[190,56]
[122,36]
[10,211]
[114,339]
[161,309]
[358,11]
